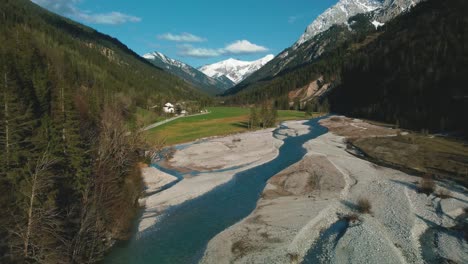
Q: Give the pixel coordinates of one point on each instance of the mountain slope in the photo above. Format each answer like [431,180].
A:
[233,69]
[400,79]
[68,174]
[318,38]
[338,14]
[344,9]
[188,73]
[390,73]
[332,45]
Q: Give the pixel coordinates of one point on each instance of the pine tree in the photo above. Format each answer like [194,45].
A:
[17,123]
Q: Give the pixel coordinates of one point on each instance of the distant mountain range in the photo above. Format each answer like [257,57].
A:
[188,73]
[212,79]
[235,70]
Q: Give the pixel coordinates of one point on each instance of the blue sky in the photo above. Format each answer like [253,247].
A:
[197,32]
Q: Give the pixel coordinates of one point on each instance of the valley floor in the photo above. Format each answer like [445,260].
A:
[215,160]
[310,213]
[220,121]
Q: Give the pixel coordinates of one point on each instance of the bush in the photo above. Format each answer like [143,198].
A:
[293,257]
[444,194]
[426,185]
[364,206]
[351,218]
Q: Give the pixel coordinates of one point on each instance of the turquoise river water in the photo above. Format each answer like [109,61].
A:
[181,236]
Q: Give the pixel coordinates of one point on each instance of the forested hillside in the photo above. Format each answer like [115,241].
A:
[415,74]
[68,177]
[311,51]
[411,72]
[326,52]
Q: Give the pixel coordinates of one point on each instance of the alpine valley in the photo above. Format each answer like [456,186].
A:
[350,145]
[352,58]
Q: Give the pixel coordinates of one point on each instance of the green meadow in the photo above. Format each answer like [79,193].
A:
[220,121]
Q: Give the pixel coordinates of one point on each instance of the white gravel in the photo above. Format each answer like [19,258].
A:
[390,234]
[231,151]
[238,152]
[155,180]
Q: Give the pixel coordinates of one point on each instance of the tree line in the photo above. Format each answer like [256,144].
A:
[69,176]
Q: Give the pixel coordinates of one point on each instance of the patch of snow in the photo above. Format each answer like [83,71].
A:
[377,24]
[163,58]
[284,54]
[344,10]
[149,56]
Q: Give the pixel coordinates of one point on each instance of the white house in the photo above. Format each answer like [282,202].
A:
[169,108]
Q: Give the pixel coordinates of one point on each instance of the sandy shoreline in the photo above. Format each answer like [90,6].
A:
[293,218]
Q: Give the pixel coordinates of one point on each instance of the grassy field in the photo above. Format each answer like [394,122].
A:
[220,121]
[442,157]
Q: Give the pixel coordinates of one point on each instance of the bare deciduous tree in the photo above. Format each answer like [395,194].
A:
[37,229]
[116,156]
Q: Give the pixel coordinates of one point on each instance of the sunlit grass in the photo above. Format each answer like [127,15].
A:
[220,121]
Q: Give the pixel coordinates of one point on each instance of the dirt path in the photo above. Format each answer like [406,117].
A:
[160,123]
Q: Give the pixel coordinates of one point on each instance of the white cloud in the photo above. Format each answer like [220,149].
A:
[244,47]
[69,8]
[184,37]
[112,18]
[191,51]
[239,47]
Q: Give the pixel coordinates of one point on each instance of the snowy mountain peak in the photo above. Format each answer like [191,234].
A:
[159,56]
[188,73]
[267,58]
[344,9]
[338,14]
[235,70]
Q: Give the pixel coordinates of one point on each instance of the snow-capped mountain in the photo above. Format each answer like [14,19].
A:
[189,73]
[235,70]
[321,36]
[344,9]
[168,62]
[338,14]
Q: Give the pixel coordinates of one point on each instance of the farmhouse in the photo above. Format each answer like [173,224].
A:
[168,108]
